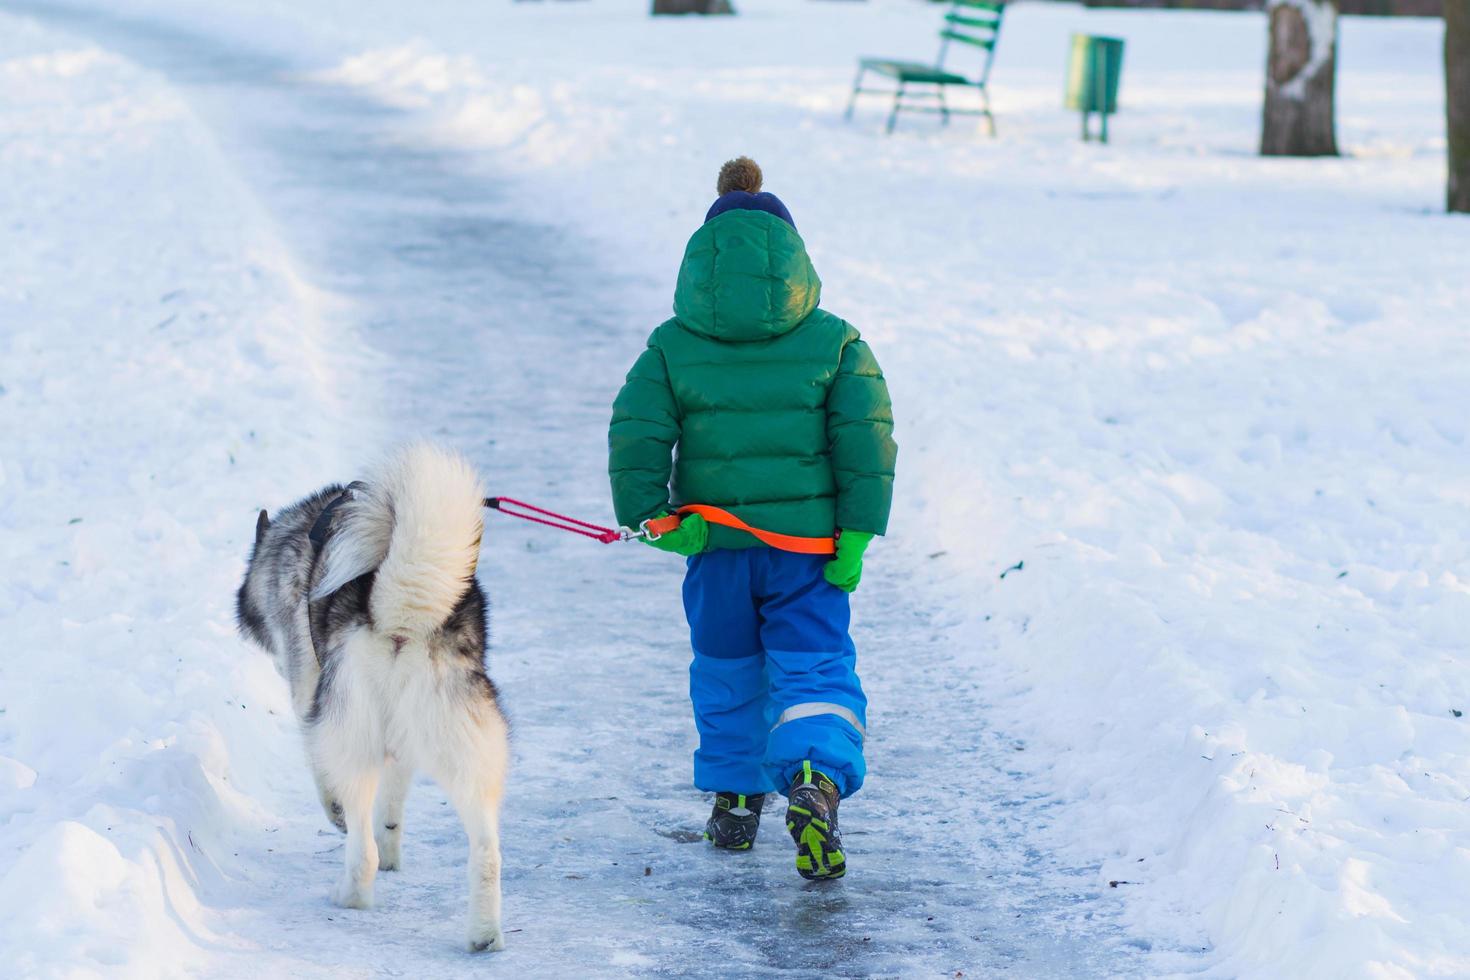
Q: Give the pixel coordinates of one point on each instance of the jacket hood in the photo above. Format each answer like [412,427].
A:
[746,201]
[745,276]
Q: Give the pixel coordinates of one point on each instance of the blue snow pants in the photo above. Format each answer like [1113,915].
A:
[774,678]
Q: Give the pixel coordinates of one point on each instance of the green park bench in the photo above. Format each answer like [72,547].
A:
[972,22]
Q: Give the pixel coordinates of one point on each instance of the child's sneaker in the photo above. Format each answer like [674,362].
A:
[811,817]
[734,821]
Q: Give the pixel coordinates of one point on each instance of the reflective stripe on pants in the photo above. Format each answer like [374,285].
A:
[813,708]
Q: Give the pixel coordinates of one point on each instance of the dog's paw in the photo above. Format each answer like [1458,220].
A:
[486,939]
[349,895]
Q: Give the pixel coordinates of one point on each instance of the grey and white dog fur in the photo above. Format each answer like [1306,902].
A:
[379,627]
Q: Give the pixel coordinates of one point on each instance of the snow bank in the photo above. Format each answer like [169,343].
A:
[1209,407]
[158,363]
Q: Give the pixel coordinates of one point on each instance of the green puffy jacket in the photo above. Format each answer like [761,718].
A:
[779,413]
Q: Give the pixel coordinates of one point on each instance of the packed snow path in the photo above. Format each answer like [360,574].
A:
[497,335]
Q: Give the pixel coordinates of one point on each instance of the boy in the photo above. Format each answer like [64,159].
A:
[774,415]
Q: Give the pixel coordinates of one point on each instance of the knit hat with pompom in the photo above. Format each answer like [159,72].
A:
[739,187]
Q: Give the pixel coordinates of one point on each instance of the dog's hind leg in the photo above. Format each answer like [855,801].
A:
[355,889]
[388,813]
[480,813]
[475,781]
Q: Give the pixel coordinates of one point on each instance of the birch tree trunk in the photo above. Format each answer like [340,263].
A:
[1301,76]
[1457,100]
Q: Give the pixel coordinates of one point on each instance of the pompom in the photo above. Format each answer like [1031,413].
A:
[739,174]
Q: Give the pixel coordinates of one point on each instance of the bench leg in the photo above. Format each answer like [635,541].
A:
[857,84]
[943,108]
[897,101]
[989,116]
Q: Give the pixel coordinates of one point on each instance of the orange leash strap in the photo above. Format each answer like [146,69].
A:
[657,527]
[715,515]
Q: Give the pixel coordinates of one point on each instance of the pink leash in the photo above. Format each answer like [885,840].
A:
[511,507]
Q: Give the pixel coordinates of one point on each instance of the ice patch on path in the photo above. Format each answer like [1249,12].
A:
[161,373]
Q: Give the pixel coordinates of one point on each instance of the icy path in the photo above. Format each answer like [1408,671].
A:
[499,336]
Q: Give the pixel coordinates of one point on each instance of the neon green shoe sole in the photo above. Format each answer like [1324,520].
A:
[811,819]
[818,851]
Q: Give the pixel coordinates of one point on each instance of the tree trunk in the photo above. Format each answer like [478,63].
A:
[1301,75]
[692,7]
[1457,100]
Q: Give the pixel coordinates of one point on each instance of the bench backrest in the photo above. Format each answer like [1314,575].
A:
[973,22]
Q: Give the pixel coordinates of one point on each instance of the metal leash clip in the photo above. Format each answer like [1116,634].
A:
[644,533]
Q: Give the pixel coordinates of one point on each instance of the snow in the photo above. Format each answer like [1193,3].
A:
[1205,411]
[148,316]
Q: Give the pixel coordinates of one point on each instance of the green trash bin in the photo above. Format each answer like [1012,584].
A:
[1093,73]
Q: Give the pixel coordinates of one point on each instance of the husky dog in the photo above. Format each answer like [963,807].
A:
[366,597]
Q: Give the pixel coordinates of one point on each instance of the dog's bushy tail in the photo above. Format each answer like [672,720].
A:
[418,521]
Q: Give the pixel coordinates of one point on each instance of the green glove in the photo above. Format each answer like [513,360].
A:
[846,569]
[689,538]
